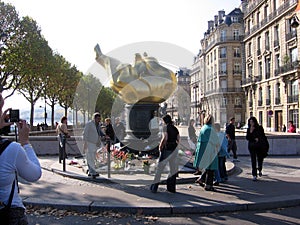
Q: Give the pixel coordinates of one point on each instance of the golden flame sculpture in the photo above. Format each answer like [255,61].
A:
[144,82]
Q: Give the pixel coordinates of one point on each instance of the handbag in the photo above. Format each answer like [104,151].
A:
[264,146]
[5,211]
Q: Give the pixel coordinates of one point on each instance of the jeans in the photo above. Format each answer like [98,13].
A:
[166,156]
[232,146]
[222,168]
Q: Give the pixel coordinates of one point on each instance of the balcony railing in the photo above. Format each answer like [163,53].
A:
[289,67]
[223,73]
[224,90]
[237,72]
[290,35]
[271,16]
[268,101]
[293,99]
[276,43]
[222,55]
[277,101]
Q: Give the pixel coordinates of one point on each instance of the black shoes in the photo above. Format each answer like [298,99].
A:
[200,182]
[94,175]
[153,188]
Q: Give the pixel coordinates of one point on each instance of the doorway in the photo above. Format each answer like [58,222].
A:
[278,120]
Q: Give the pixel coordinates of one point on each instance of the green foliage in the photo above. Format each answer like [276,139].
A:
[10,26]
[105,101]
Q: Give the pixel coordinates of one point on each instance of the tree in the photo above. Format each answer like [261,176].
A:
[34,57]
[68,83]
[105,101]
[86,95]
[10,26]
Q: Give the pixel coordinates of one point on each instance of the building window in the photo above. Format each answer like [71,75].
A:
[237,101]
[260,117]
[236,68]
[223,52]
[257,17]
[236,52]
[294,116]
[277,64]
[294,54]
[258,46]
[268,100]
[249,49]
[236,35]
[268,120]
[267,40]
[250,72]
[223,69]
[259,103]
[277,94]
[295,88]
[235,19]
[223,35]
[260,69]
[276,36]
[224,102]
[267,68]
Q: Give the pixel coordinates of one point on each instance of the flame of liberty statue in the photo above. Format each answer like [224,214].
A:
[144,82]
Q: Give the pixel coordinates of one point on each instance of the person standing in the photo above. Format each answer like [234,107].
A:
[192,132]
[109,134]
[92,136]
[221,173]
[168,154]
[16,159]
[119,129]
[292,127]
[206,156]
[230,134]
[255,135]
[63,134]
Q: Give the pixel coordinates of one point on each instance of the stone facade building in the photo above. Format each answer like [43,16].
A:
[271,75]
[216,73]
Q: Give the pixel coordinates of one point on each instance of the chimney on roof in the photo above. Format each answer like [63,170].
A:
[221,15]
[216,20]
[210,24]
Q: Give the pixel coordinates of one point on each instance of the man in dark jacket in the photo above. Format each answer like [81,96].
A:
[230,134]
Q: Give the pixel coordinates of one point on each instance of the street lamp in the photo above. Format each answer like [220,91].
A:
[45,112]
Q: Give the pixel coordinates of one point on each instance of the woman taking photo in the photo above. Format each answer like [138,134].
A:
[256,145]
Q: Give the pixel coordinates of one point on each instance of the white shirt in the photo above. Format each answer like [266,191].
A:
[22,160]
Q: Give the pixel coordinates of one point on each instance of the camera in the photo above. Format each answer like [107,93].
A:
[14,115]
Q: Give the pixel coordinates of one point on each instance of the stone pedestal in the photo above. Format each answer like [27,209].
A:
[142,127]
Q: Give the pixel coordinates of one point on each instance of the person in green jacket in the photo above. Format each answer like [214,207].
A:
[206,157]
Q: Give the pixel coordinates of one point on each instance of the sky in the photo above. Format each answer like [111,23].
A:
[73,28]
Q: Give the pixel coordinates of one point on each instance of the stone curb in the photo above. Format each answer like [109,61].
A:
[163,208]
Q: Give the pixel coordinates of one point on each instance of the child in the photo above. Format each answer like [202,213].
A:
[221,173]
